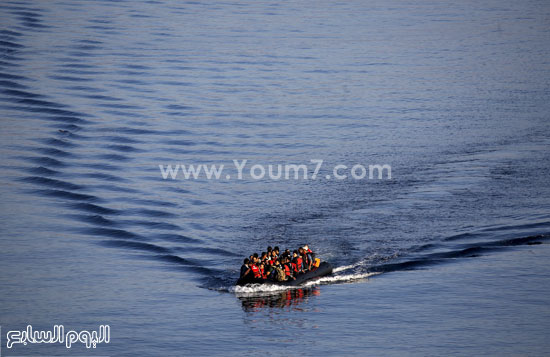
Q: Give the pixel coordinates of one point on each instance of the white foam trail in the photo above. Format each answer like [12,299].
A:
[344,267]
[270,288]
[363,262]
[339,279]
[259,288]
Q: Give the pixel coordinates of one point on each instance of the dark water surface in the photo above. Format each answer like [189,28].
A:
[450,256]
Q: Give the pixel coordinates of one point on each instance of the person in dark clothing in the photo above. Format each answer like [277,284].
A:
[245,268]
[308,251]
[306,259]
[287,254]
[263,271]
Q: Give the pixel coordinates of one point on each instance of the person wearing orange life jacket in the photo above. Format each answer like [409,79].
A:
[300,263]
[287,269]
[256,271]
[297,263]
[293,266]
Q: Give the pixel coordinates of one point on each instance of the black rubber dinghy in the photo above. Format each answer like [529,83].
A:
[323,270]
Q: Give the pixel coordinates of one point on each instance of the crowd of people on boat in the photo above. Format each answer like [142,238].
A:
[272,265]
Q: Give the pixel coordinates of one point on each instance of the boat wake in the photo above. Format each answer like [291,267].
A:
[418,258]
[331,279]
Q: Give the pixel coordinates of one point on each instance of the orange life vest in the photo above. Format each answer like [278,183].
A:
[256,271]
[287,269]
[263,273]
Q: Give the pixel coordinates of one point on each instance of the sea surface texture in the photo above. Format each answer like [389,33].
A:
[448,257]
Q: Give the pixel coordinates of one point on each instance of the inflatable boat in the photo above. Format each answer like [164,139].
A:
[323,270]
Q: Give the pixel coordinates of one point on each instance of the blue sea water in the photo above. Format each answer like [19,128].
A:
[449,256]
